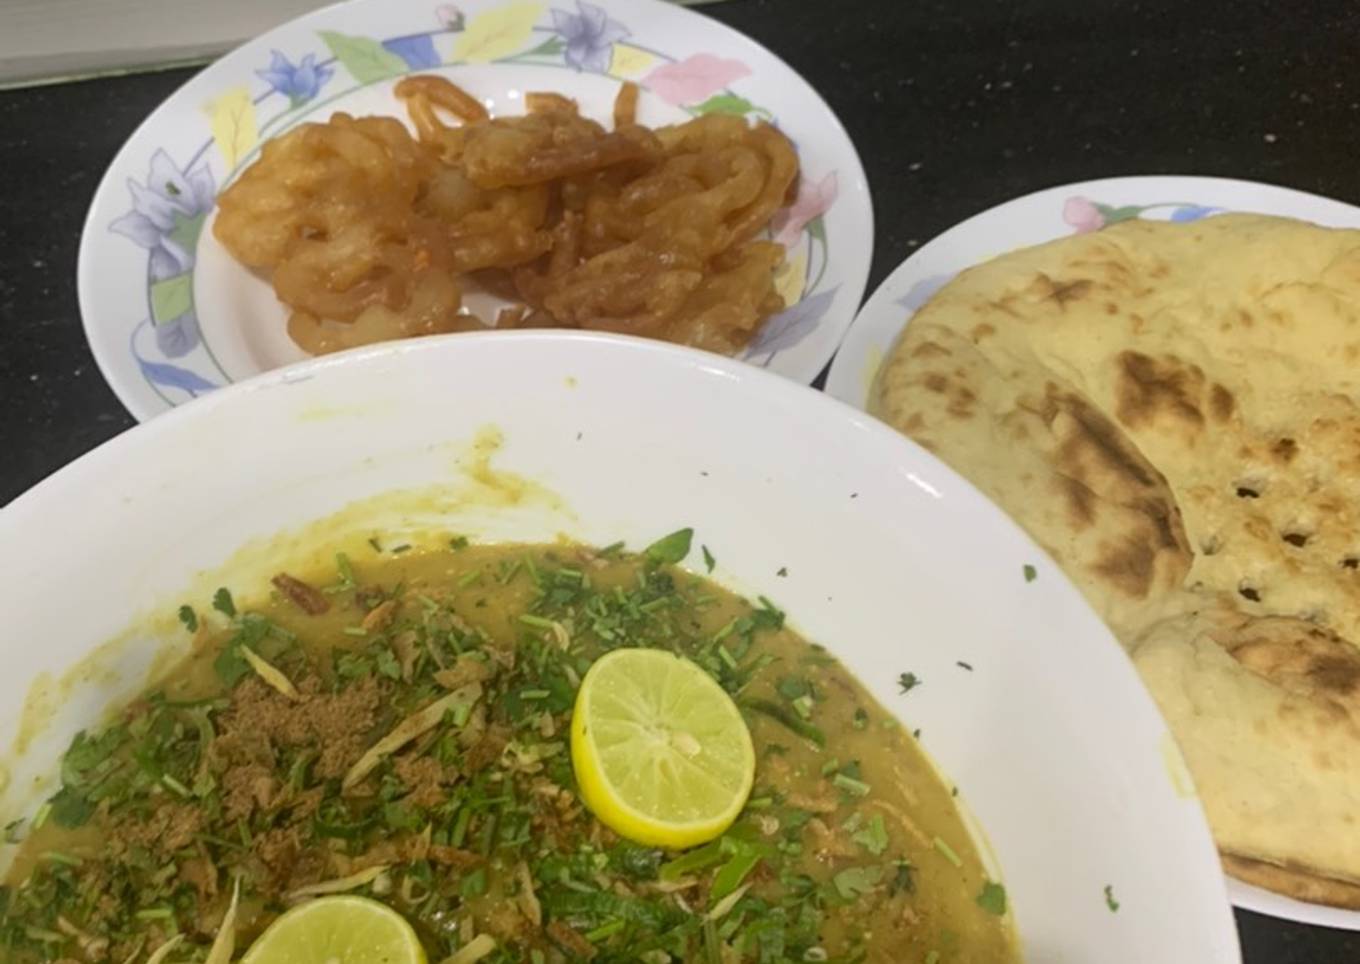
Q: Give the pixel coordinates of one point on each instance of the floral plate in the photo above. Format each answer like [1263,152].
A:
[1046,216]
[170,315]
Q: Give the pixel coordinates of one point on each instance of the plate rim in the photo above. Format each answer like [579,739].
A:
[844,383]
[858,187]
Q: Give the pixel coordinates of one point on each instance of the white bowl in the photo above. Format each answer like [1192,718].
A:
[892,561]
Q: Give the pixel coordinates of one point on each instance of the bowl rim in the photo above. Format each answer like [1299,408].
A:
[68,480]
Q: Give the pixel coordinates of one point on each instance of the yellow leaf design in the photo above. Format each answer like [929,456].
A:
[790,276]
[629,61]
[233,125]
[498,32]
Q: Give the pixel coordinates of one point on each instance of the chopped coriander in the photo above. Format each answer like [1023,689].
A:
[792,687]
[223,602]
[670,548]
[474,883]
[1110,902]
[458,542]
[375,544]
[992,899]
[783,571]
[188,617]
[906,682]
[1030,573]
[861,718]
[776,712]
[709,561]
[730,875]
[852,786]
[346,570]
[874,836]
[469,577]
[854,882]
[960,663]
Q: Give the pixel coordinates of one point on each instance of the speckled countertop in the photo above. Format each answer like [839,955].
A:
[955,106]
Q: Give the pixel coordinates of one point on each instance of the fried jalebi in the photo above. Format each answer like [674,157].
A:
[372,233]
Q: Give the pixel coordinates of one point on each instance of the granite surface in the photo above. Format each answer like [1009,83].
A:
[955,106]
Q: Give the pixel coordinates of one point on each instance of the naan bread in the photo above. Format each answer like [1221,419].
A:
[1173,412]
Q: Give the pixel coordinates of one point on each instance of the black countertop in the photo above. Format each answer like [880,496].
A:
[955,105]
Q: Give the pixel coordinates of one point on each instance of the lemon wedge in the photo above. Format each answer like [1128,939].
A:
[662,754]
[338,930]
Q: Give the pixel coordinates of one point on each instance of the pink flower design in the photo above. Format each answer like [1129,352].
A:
[1083,215]
[694,79]
[813,201]
[449,16]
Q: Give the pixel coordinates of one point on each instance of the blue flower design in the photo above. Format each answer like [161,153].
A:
[168,376]
[922,291]
[417,51]
[1192,212]
[166,217]
[300,82]
[792,325]
[589,35]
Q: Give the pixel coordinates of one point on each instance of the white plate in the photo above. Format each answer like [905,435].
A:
[875,548]
[170,315]
[1046,216]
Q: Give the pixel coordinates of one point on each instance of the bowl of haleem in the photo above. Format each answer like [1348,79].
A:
[558,647]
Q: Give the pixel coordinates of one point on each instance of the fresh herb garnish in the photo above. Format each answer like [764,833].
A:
[906,682]
[1110,902]
[188,617]
[799,726]
[670,549]
[854,882]
[223,602]
[874,836]
[709,561]
[1030,573]
[992,899]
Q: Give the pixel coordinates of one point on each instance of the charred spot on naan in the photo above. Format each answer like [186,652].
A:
[1061,292]
[1221,402]
[1300,657]
[1095,461]
[1149,389]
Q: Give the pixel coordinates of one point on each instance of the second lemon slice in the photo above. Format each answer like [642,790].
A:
[662,754]
[338,930]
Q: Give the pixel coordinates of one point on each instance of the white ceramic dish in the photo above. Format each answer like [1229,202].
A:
[891,560]
[170,315]
[1046,216]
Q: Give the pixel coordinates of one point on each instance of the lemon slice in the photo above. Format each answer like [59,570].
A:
[662,754]
[338,930]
